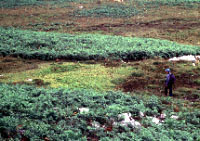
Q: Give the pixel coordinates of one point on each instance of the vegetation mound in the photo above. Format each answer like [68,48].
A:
[146,3]
[17,3]
[50,46]
[57,114]
[114,10]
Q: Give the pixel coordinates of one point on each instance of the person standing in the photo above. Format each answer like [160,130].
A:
[170,80]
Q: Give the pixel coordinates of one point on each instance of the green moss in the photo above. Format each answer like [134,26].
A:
[114,10]
[74,75]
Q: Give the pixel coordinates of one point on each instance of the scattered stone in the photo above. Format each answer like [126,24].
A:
[122,61]
[83,110]
[174,117]
[80,7]
[120,1]
[162,116]
[190,58]
[96,124]
[141,114]
[155,120]
[30,80]
[128,120]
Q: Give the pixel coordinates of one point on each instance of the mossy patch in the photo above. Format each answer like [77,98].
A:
[73,75]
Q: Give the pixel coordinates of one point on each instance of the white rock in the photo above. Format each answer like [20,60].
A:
[123,62]
[96,124]
[126,116]
[162,121]
[115,123]
[80,7]
[128,120]
[162,116]
[155,120]
[30,80]
[118,1]
[193,64]
[190,58]
[83,110]
[174,117]
[1,75]
[198,56]
[141,114]
[136,124]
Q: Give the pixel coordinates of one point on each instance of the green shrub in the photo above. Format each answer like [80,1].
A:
[56,68]
[157,3]
[38,113]
[115,11]
[17,3]
[49,46]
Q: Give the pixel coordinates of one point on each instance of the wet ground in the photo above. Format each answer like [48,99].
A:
[172,23]
[147,75]
[10,64]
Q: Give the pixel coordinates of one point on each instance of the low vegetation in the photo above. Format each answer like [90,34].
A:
[17,3]
[69,75]
[54,114]
[114,11]
[152,3]
[97,86]
[136,76]
[157,3]
[50,46]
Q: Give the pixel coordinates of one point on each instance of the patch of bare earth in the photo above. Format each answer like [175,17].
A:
[153,79]
[173,23]
[10,64]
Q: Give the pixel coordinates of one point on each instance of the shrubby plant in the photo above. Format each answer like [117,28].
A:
[50,46]
[17,3]
[39,114]
[114,10]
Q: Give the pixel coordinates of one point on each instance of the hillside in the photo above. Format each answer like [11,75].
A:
[94,70]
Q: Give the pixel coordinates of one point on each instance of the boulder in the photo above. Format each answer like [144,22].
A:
[174,117]
[128,120]
[83,110]
[190,58]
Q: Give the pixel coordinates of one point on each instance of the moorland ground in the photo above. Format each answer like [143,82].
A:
[101,68]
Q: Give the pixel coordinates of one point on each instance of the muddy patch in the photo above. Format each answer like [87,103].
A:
[151,77]
[163,24]
[9,64]
[35,82]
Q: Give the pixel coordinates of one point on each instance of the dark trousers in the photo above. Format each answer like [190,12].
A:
[170,90]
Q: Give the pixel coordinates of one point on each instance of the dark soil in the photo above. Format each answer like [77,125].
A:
[151,79]
[10,64]
[155,81]
[171,23]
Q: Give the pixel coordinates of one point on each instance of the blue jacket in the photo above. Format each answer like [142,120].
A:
[167,80]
